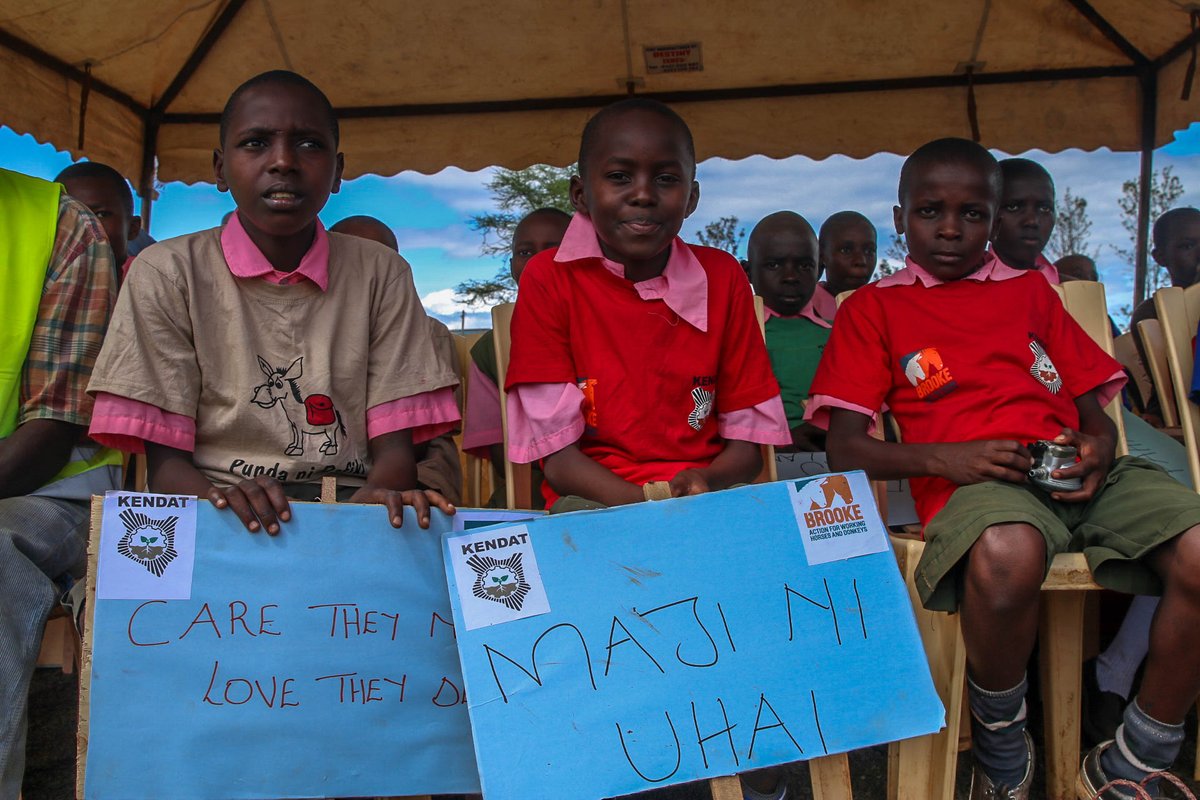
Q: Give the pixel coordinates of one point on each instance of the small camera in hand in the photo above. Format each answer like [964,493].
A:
[1047,457]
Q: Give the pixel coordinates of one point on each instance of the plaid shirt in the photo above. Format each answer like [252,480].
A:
[77,300]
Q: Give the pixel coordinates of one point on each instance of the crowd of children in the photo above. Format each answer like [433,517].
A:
[250,360]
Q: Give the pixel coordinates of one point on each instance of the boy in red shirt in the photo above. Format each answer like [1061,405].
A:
[636,358]
[977,359]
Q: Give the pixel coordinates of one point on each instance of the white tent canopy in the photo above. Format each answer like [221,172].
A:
[140,84]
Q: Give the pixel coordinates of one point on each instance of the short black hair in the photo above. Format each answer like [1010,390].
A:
[351,224]
[951,150]
[285,77]
[94,169]
[1015,168]
[588,141]
[1165,224]
[841,218]
[544,211]
[773,221]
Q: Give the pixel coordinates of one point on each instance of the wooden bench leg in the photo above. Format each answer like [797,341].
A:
[1061,660]
[924,768]
[727,787]
[830,777]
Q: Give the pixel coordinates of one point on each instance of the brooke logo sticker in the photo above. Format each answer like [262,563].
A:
[496,576]
[147,547]
[927,372]
[837,517]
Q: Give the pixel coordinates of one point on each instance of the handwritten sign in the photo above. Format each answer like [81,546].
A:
[688,639]
[317,663]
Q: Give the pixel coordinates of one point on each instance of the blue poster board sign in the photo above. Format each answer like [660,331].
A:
[317,663]
[610,652]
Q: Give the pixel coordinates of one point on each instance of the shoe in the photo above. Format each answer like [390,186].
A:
[982,787]
[1103,711]
[1093,784]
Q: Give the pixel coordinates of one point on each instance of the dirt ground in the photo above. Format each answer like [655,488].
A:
[50,765]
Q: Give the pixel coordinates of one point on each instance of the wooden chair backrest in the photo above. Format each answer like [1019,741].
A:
[1154,344]
[1125,350]
[769,473]
[518,477]
[1179,316]
[1085,302]
[473,468]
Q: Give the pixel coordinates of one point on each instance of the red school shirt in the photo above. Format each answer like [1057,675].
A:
[964,360]
[653,384]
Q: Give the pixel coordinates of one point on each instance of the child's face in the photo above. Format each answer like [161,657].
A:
[279,160]
[535,234]
[637,188]
[1180,253]
[1024,221]
[783,268]
[848,255]
[106,202]
[946,218]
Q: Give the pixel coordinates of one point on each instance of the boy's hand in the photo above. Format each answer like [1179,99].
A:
[419,499]
[1095,458]
[989,460]
[688,482]
[808,438]
[259,503]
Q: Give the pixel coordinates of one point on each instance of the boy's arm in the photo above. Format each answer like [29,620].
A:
[1096,441]
[570,472]
[738,462]
[34,453]
[259,502]
[851,447]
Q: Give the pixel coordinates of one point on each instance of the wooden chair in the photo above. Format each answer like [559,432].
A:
[1178,316]
[1154,345]
[476,487]
[1125,350]
[830,775]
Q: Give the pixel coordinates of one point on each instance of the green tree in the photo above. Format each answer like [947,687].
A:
[515,192]
[1072,229]
[1165,189]
[723,234]
[893,257]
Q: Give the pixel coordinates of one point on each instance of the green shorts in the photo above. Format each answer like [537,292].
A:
[1137,508]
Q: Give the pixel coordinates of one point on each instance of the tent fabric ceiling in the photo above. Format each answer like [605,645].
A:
[475,83]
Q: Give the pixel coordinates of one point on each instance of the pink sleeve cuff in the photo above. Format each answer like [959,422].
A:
[543,418]
[482,426]
[125,424]
[819,405]
[428,415]
[1106,391]
[765,423]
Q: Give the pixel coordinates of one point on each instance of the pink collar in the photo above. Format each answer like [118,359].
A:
[993,269]
[809,312]
[683,285]
[247,261]
[1044,266]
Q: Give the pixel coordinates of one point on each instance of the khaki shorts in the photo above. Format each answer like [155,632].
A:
[1137,508]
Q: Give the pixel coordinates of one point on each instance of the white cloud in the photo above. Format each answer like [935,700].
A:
[454,241]
[441,304]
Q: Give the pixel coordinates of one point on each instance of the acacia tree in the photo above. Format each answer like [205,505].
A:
[1072,229]
[1165,189]
[515,193]
[723,234]
[893,257]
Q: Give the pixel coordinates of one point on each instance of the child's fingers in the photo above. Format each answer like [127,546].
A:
[241,506]
[438,500]
[420,504]
[217,498]
[395,508]
[261,505]
[277,497]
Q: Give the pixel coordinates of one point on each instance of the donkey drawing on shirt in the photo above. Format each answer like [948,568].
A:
[313,415]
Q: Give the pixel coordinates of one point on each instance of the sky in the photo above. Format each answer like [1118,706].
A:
[429,213]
